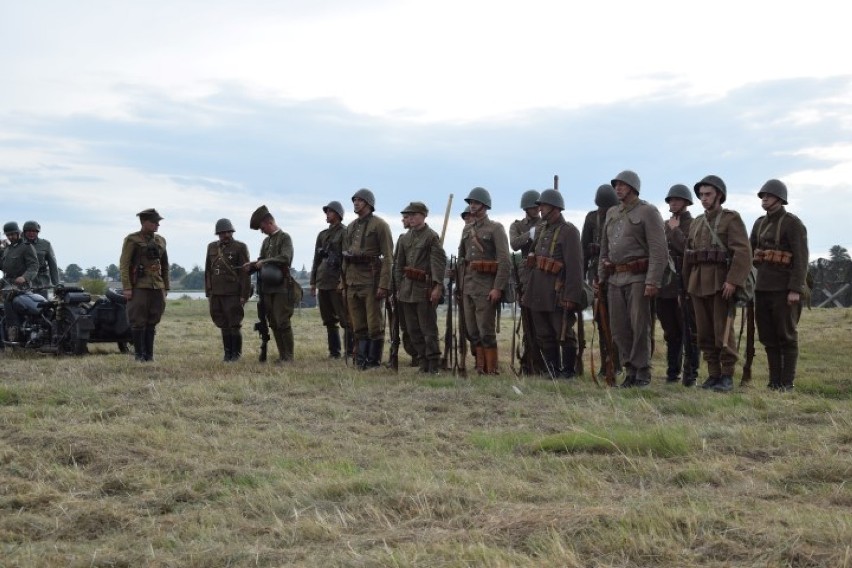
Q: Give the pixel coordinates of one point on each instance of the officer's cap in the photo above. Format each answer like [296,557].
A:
[416,207]
[149,215]
[258,216]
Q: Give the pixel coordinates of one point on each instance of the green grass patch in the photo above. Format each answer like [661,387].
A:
[500,442]
[657,441]
[9,397]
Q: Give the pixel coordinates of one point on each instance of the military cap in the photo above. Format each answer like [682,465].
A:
[334,206]
[416,207]
[11,227]
[466,213]
[149,215]
[258,216]
[32,226]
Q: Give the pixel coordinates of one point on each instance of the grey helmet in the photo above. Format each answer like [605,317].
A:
[224,226]
[466,213]
[679,190]
[772,187]
[551,197]
[479,194]
[32,226]
[714,181]
[337,207]
[605,196]
[529,199]
[629,177]
[367,196]
[11,227]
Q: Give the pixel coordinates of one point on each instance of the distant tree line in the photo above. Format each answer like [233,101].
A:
[832,279]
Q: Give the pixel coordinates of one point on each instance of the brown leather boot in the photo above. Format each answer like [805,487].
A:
[480,359]
[491,361]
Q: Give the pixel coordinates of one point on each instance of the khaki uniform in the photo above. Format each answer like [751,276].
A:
[777,275]
[367,265]
[325,276]
[48,271]
[633,255]
[590,240]
[485,251]
[520,241]
[555,277]
[704,275]
[19,259]
[670,311]
[277,249]
[144,267]
[420,266]
[226,285]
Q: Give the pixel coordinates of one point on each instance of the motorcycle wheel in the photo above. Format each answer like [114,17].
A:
[74,344]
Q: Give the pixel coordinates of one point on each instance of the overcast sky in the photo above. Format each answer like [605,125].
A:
[208,109]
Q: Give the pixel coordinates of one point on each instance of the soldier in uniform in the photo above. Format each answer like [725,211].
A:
[367,266]
[780,243]
[632,262]
[419,272]
[407,344]
[325,278]
[522,231]
[144,267]
[717,261]
[465,215]
[227,286]
[485,251]
[673,309]
[590,240]
[555,287]
[48,271]
[276,255]
[20,267]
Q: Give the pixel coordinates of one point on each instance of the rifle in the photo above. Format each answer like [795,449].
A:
[749,353]
[261,326]
[393,320]
[581,343]
[531,361]
[447,357]
[603,318]
[347,328]
[460,368]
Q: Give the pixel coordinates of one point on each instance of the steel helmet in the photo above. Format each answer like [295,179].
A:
[629,177]
[11,227]
[336,207]
[551,197]
[529,199]
[367,196]
[772,187]
[224,226]
[679,190]
[716,182]
[605,196]
[479,194]
[466,213]
[32,226]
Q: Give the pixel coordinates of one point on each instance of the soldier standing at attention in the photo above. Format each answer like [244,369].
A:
[419,271]
[144,267]
[276,255]
[633,259]
[780,243]
[485,250]
[367,266]
[717,261]
[48,271]
[227,287]
[555,287]
[20,267]
[325,277]
[522,231]
[673,309]
[590,240]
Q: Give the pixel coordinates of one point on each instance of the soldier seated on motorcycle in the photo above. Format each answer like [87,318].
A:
[20,267]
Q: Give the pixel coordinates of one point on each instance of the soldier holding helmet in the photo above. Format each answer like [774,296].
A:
[227,287]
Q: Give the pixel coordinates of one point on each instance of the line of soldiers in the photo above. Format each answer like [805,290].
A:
[687,273]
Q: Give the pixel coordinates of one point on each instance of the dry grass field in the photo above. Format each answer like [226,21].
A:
[188,461]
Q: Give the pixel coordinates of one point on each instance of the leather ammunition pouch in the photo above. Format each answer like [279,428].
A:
[770,256]
[415,274]
[707,256]
[638,266]
[356,258]
[484,266]
[548,265]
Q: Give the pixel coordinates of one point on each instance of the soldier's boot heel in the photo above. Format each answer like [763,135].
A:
[333,342]
[480,359]
[236,345]
[491,357]
[790,358]
[226,345]
[138,335]
[150,332]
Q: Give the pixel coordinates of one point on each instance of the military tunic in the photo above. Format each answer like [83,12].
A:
[367,265]
[420,266]
[590,240]
[48,271]
[633,255]
[549,288]
[520,241]
[704,282]
[227,286]
[19,259]
[277,249]
[776,319]
[326,274]
[483,240]
[144,268]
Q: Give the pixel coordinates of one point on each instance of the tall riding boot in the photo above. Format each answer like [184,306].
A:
[491,358]
[774,362]
[361,354]
[691,364]
[551,361]
[236,344]
[282,348]
[150,331]
[138,335]
[674,361]
[333,342]
[790,357]
[480,359]
[374,354]
[569,361]
[226,345]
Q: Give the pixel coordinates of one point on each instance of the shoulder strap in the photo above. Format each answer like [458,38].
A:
[713,233]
